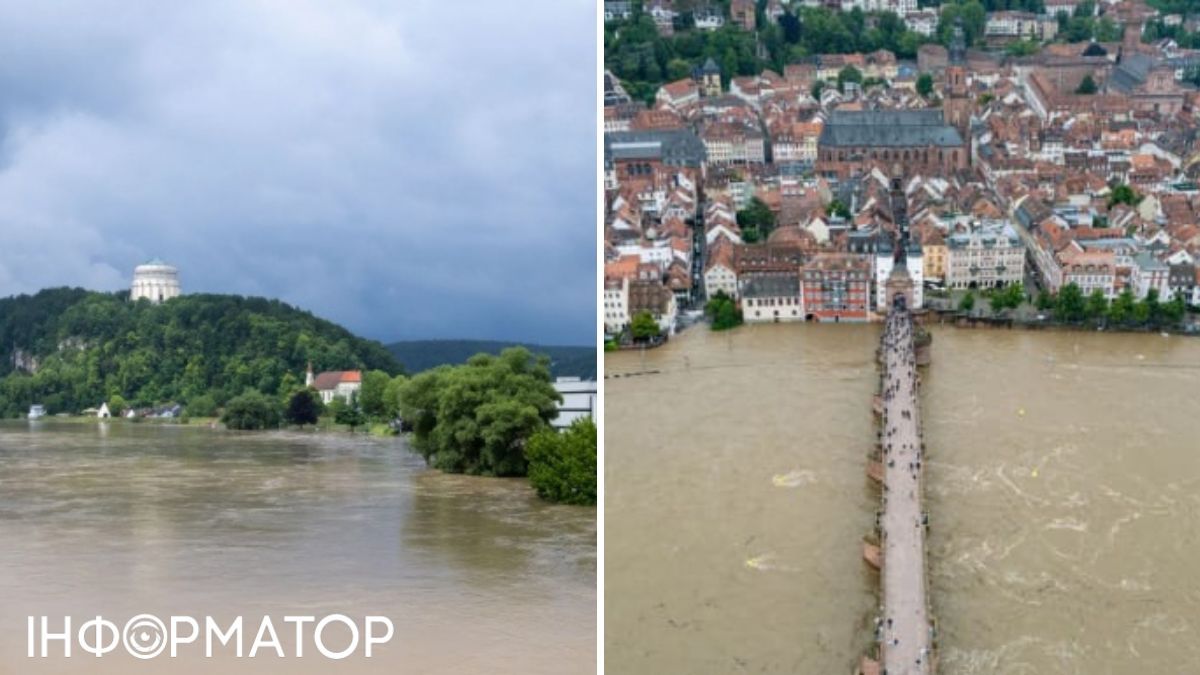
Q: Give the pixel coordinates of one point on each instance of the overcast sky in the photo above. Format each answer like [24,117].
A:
[410,169]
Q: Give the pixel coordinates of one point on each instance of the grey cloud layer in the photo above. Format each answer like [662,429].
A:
[410,169]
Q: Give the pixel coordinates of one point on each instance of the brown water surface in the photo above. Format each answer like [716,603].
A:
[477,574]
[1063,484]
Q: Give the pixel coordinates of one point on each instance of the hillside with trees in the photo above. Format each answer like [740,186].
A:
[420,355]
[71,349]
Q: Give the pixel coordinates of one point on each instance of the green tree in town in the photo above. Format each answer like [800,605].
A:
[757,215]
[1045,301]
[251,411]
[1097,305]
[1071,304]
[997,302]
[1123,194]
[478,417]
[967,304]
[839,209]
[562,465]
[1023,48]
[1174,310]
[1153,307]
[1086,86]
[925,84]
[644,327]
[304,407]
[1121,311]
[723,311]
[848,74]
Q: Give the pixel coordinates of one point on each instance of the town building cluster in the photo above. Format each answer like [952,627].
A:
[1012,170]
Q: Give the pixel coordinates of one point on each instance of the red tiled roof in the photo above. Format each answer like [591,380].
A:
[331,379]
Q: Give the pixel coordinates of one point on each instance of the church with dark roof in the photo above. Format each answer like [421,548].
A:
[929,141]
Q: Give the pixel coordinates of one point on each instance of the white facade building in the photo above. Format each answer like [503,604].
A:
[579,400]
[616,305]
[989,255]
[155,281]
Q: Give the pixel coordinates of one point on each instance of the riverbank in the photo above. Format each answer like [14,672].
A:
[960,320]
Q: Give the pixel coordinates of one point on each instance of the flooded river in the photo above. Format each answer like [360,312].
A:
[476,574]
[1063,484]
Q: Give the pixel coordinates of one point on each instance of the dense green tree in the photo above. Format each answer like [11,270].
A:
[1023,48]
[1045,301]
[562,465]
[1071,304]
[1086,86]
[251,411]
[1174,310]
[974,19]
[723,311]
[477,418]
[350,413]
[117,405]
[304,407]
[997,302]
[371,397]
[1153,307]
[391,396]
[644,59]
[848,74]
[1097,305]
[1121,310]
[203,405]
[757,215]
[1123,194]
[925,84]
[967,304]
[1009,297]
[644,327]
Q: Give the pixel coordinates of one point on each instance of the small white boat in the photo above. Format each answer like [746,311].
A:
[37,412]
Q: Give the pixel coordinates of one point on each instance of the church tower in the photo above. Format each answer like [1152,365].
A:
[956,104]
[956,108]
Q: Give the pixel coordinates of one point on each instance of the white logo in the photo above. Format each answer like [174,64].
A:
[146,636]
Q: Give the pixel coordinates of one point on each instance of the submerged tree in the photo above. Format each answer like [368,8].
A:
[562,465]
[476,418]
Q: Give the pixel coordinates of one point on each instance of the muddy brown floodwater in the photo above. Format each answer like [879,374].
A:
[477,575]
[1063,485]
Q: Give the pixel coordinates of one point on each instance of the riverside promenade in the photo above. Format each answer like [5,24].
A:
[905,632]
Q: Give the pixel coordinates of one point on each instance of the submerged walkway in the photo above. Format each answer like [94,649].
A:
[905,631]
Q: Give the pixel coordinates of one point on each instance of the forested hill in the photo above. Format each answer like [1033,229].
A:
[418,355]
[70,349]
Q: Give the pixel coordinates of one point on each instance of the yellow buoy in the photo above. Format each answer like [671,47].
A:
[1021,412]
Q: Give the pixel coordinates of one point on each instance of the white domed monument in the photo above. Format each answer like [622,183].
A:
[155,281]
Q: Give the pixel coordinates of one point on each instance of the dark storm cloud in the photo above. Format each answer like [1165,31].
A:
[409,169]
